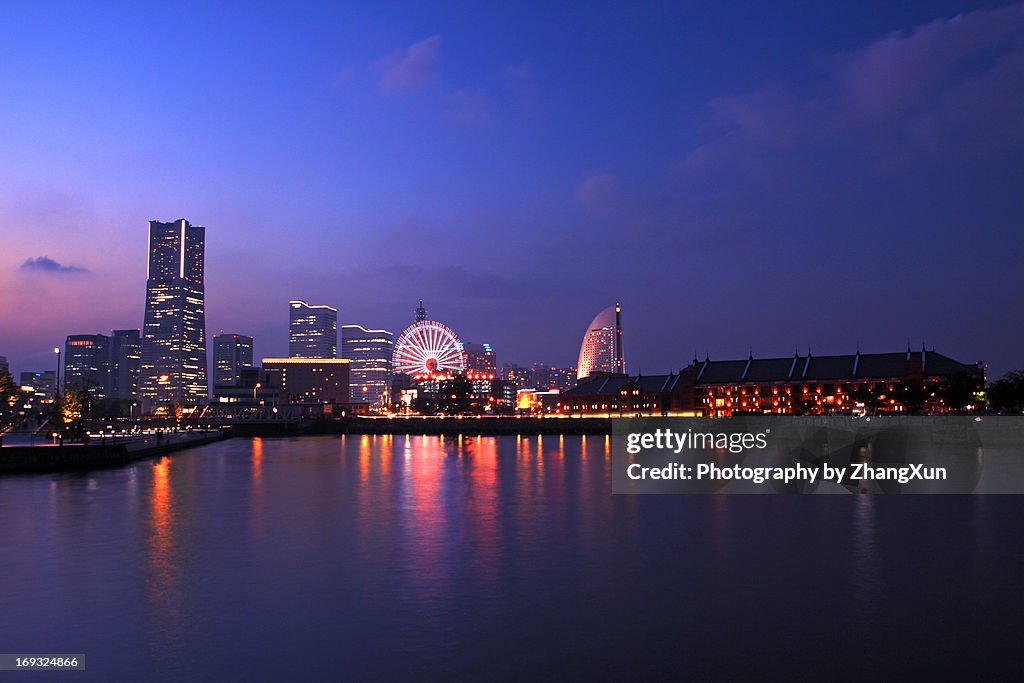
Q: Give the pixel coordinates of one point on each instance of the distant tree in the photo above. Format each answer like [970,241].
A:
[455,397]
[424,404]
[74,404]
[75,407]
[505,409]
[10,395]
[958,391]
[1007,394]
[112,408]
[912,394]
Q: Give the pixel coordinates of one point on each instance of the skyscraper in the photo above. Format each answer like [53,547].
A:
[87,364]
[125,363]
[480,359]
[312,330]
[231,353]
[174,330]
[601,350]
[370,370]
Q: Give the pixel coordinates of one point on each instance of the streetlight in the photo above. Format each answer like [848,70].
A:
[254,390]
[58,413]
[56,384]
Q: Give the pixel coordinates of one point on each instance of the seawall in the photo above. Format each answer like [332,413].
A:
[80,457]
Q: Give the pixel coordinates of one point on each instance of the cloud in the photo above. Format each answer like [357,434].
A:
[948,87]
[345,75]
[599,193]
[521,84]
[470,106]
[908,70]
[416,66]
[409,68]
[48,265]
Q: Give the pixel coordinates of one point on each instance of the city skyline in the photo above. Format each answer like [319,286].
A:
[302,341]
[814,187]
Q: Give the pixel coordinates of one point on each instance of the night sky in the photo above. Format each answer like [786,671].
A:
[799,175]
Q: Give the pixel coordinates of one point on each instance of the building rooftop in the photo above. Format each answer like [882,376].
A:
[813,368]
[796,368]
[607,383]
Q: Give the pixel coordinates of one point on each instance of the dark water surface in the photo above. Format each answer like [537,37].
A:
[361,557]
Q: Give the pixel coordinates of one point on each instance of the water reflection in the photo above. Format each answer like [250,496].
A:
[421,526]
[257,502]
[393,554]
[866,562]
[483,501]
[163,568]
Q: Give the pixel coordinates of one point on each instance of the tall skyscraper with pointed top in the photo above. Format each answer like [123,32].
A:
[174,329]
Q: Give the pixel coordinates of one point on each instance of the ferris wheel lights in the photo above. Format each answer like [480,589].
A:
[428,349]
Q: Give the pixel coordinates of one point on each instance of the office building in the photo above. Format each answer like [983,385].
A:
[312,330]
[252,388]
[309,380]
[87,364]
[43,385]
[370,369]
[232,353]
[480,359]
[174,331]
[492,396]
[125,364]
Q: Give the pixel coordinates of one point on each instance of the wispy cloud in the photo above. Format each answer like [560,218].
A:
[519,81]
[471,106]
[599,192]
[947,87]
[409,68]
[345,75]
[48,265]
[416,66]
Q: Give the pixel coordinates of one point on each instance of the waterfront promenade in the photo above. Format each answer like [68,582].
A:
[99,453]
[109,452]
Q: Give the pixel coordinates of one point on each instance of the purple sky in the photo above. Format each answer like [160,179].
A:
[741,180]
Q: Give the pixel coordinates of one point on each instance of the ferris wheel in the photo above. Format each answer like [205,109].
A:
[427,349]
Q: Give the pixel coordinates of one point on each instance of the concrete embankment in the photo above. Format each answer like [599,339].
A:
[79,457]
